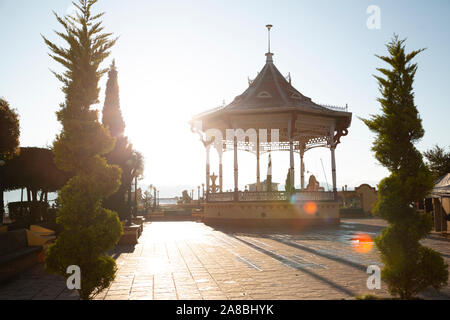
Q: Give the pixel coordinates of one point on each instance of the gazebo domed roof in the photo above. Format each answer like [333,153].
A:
[270,89]
[270,92]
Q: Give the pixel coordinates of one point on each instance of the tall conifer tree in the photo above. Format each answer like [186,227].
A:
[89,229]
[112,116]
[122,153]
[409,267]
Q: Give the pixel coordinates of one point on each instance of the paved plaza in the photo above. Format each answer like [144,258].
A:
[189,260]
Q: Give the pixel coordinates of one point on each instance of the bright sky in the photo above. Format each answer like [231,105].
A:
[178,58]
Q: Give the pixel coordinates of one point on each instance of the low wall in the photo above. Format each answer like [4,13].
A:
[271,214]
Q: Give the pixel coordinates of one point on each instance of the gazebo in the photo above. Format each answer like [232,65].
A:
[271,115]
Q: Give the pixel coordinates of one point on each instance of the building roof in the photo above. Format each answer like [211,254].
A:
[442,188]
[263,183]
[271,91]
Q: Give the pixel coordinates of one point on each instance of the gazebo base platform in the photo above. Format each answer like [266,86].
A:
[279,214]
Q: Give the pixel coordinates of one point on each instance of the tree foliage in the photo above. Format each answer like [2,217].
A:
[409,267]
[147,199]
[287,185]
[137,164]
[34,169]
[89,229]
[123,150]
[112,115]
[9,130]
[9,142]
[136,171]
[438,161]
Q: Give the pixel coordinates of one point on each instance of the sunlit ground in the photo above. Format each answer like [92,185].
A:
[189,260]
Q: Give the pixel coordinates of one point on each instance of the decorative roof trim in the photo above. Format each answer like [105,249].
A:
[264,94]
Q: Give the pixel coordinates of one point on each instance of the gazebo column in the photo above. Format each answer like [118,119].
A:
[302,169]
[333,159]
[207,171]
[291,169]
[258,176]
[236,182]
[333,170]
[220,172]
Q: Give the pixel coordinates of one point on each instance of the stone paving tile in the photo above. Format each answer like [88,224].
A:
[188,260]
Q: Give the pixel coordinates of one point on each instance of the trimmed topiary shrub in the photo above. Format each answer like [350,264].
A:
[89,229]
[409,266]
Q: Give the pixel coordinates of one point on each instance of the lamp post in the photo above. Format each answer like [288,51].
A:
[154,198]
[198,196]
[129,213]
[135,213]
[203,191]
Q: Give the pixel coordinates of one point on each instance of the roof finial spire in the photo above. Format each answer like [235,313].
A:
[269,54]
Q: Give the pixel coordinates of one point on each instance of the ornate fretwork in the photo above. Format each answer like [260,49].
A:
[337,137]
[304,142]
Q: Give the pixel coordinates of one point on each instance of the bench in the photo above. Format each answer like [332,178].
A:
[15,254]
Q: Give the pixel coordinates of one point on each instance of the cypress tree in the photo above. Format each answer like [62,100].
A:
[409,267]
[287,184]
[89,229]
[112,116]
[122,152]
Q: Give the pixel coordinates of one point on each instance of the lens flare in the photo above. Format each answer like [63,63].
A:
[362,243]
[293,199]
[310,207]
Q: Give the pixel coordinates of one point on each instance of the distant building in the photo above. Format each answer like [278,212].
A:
[441,204]
[362,197]
[263,186]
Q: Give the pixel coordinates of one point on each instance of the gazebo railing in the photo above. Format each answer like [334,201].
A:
[221,196]
[271,196]
[263,196]
[314,196]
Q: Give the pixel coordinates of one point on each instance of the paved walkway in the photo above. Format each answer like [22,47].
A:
[188,260]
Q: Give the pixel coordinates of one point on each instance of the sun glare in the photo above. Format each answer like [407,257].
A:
[310,207]
[362,243]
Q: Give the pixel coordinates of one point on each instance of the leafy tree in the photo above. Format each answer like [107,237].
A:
[136,166]
[438,161]
[9,130]
[89,229]
[122,152]
[32,169]
[35,170]
[409,267]
[9,142]
[147,199]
